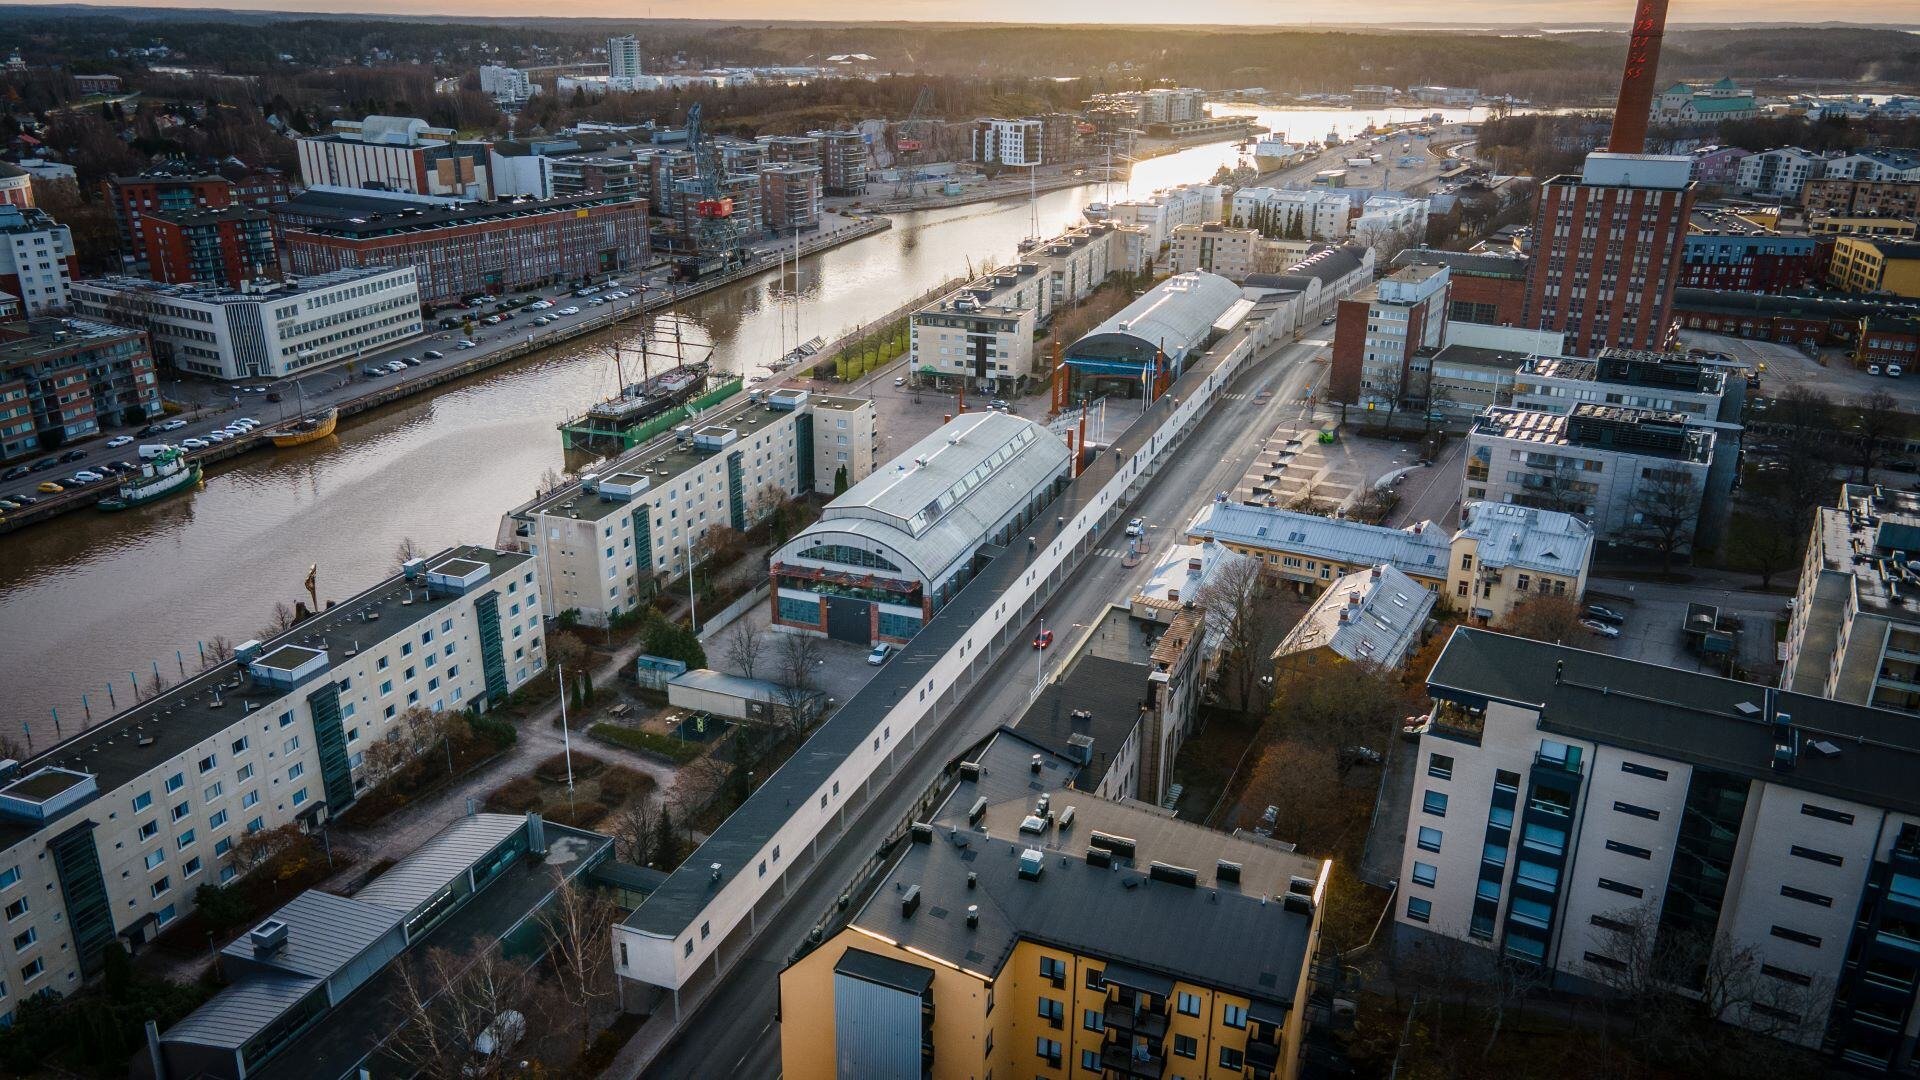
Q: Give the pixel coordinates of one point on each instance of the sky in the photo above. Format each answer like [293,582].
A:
[1271,13]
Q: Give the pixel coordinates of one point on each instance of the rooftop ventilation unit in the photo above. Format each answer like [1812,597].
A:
[269,937]
[1032,862]
[1032,824]
[910,902]
[1173,875]
[1226,872]
[1099,857]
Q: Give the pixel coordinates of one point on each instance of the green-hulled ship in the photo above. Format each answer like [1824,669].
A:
[168,473]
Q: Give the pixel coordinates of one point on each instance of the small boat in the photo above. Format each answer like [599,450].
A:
[311,427]
[168,473]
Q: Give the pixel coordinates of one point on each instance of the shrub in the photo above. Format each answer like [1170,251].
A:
[498,732]
[581,815]
[516,796]
[621,784]
[678,751]
[553,767]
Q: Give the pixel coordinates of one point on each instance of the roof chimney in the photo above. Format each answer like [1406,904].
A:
[1635,103]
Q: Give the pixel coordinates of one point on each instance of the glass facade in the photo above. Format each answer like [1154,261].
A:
[1702,858]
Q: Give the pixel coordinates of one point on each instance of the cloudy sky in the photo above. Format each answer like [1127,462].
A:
[1248,12]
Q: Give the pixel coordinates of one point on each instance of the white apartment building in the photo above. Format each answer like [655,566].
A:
[1294,213]
[1581,812]
[1232,253]
[1385,217]
[623,57]
[1876,164]
[1079,260]
[36,259]
[1160,212]
[273,330]
[1855,628]
[603,543]
[983,331]
[1007,142]
[1779,173]
[107,835]
[507,86]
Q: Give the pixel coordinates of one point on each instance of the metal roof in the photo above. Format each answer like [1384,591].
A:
[1421,548]
[1175,315]
[440,861]
[941,499]
[239,1012]
[324,934]
[1368,617]
[1524,538]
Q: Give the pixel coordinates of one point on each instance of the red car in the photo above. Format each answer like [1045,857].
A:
[1043,639]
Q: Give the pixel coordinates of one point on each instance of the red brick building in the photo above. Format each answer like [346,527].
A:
[1806,320]
[133,197]
[1607,251]
[1379,337]
[218,247]
[1487,287]
[62,380]
[1762,262]
[466,249]
[16,186]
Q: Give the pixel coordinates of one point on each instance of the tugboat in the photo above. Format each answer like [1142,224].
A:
[168,473]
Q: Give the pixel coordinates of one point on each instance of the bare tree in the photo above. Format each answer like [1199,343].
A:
[1545,618]
[405,552]
[576,925]
[281,619]
[218,651]
[1228,603]
[1666,506]
[799,657]
[741,645]
[446,1001]
[1877,422]
[632,828]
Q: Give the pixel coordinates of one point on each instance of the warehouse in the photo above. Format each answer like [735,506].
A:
[1175,319]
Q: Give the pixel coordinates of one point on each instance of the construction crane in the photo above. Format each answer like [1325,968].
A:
[716,241]
[912,138]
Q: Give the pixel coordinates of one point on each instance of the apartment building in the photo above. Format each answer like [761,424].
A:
[224,246]
[790,149]
[37,260]
[1583,813]
[1089,937]
[895,547]
[1214,248]
[790,197]
[262,329]
[1387,218]
[843,161]
[602,543]
[63,380]
[1162,105]
[624,57]
[1867,264]
[1607,251]
[1013,143]
[1839,197]
[505,85]
[983,331]
[458,250]
[1779,173]
[1294,213]
[1160,212]
[106,836]
[1079,260]
[1380,334]
[133,197]
[1714,164]
[747,220]
[1854,632]
[1876,164]
[1621,469]
[396,153]
[1750,260]
[1504,555]
[1374,617]
[1633,378]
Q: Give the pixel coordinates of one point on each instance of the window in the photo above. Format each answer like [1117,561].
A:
[1615,925]
[1785,975]
[1419,909]
[1638,769]
[155,857]
[183,840]
[245,774]
[17,908]
[1234,1016]
[1440,766]
[254,825]
[1804,896]
[239,745]
[1629,849]
[212,792]
[1795,935]
[1090,1060]
[1052,1011]
[1816,856]
[207,763]
[290,745]
[296,770]
[1605,961]
[1825,814]
[1054,971]
[25,939]
[1637,811]
[1622,888]
[286,718]
[176,782]
[1189,1004]
[8,876]
[1186,1046]
[34,970]
[142,801]
[1435,803]
[248,800]
[1096,978]
[1049,1049]
[1424,874]
[1506,781]
[160,887]
[180,811]
[1429,839]
[192,867]
[1093,1020]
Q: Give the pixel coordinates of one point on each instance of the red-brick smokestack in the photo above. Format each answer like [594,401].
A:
[1635,104]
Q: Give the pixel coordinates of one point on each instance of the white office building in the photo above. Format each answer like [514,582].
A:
[1007,142]
[264,331]
[1583,814]
[507,86]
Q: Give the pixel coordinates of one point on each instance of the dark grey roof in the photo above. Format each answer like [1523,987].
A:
[440,861]
[1238,937]
[1474,263]
[743,834]
[340,213]
[1815,305]
[239,1012]
[324,934]
[1475,356]
[1687,715]
[1112,690]
[884,971]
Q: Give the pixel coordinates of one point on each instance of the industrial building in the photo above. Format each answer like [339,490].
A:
[895,547]
[106,835]
[263,329]
[981,334]
[312,989]
[1033,929]
[63,380]
[602,542]
[460,249]
[1578,814]
[37,260]
[396,153]
[1147,343]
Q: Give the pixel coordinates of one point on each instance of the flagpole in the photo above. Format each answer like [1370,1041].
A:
[566,741]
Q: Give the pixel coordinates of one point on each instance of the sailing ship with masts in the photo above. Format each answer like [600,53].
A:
[628,417]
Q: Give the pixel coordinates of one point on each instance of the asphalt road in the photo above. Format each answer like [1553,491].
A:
[734,1033]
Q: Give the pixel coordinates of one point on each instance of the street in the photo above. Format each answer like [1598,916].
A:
[734,1031]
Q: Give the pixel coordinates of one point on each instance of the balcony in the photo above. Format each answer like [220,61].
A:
[1568,765]
[1264,1057]
[1138,1020]
[1121,1057]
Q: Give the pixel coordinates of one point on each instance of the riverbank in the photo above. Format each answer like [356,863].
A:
[376,394]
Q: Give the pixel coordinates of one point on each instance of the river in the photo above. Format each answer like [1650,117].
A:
[91,599]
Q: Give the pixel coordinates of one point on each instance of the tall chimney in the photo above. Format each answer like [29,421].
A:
[1635,104]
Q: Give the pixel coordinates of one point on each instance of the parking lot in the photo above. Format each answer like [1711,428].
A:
[1787,366]
[1655,613]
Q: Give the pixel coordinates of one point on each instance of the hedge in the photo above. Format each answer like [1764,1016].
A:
[678,751]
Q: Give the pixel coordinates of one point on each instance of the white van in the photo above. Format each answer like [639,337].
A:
[149,451]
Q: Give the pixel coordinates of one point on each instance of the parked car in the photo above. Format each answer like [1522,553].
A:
[1605,614]
[410,361]
[998,403]
[570,310]
[1595,626]
[1894,371]
[88,476]
[173,425]
[118,441]
[375,372]
[216,436]
[464,344]
[194,444]
[1136,527]
[9,505]
[48,487]
[24,500]
[15,473]
[1873,369]
[150,429]
[880,654]
[900,380]
[74,455]
[433,354]
[45,463]
[1359,755]
[1043,639]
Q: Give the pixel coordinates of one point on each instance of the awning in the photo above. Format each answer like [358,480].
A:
[1138,979]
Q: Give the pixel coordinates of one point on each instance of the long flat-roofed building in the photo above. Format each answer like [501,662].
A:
[1149,342]
[981,334]
[1854,634]
[107,834]
[1584,815]
[1032,929]
[894,548]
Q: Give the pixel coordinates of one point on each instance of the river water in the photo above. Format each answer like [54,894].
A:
[92,599]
